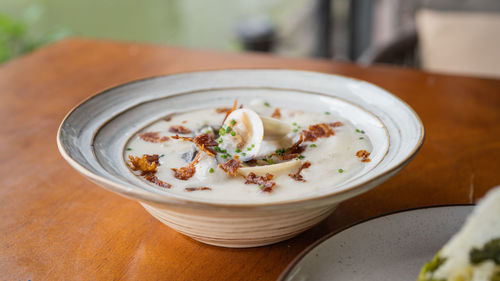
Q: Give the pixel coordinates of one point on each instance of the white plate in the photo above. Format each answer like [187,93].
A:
[391,247]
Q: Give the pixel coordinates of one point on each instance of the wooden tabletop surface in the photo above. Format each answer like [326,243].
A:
[56,225]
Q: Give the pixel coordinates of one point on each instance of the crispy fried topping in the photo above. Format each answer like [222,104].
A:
[276,114]
[321,130]
[293,151]
[155,158]
[230,167]
[297,176]
[223,109]
[265,183]
[185,173]
[177,137]
[151,177]
[191,189]
[235,105]
[169,118]
[206,141]
[363,155]
[179,129]
[153,137]
[143,164]
[335,124]
[147,164]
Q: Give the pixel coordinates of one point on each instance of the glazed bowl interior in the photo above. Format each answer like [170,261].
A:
[94,135]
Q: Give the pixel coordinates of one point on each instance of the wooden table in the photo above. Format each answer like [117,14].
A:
[56,225]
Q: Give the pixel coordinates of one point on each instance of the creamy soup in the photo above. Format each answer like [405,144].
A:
[256,152]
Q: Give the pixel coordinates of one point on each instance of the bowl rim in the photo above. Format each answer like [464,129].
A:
[165,199]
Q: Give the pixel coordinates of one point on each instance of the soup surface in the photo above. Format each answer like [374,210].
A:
[256,152]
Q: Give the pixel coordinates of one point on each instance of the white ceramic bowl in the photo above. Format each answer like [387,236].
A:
[93,136]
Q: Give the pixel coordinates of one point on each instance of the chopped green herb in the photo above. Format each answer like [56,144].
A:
[249,148]
[128,148]
[222,131]
[253,145]
[267,104]
[244,154]
[327,113]
[224,156]
[294,123]
[361,138]
[211,170]
[233,122]
[228,129]
[219,140]
[341,171]
[280,151]
[269,161]
[360,131]
[233,133]
[301,157]
[312,145]
[237,150]
[261,186]
[295,130]
[490,251]
[429,268]
[161,156]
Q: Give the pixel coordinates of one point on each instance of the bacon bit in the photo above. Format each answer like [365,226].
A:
[235,105]
[363,154]
[297,176]
[276,114]
[155,158]
[191,189]
[177,137]
[153,137]
[335,124]
[185,173]
[142,164]
[293,151]
[206,141]
[147,165]
[179,130]
[230,167]
[318,131]
[264,183]
[223,109]
[184,122]
[151,177]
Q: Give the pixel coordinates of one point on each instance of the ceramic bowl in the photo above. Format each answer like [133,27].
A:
[93,136]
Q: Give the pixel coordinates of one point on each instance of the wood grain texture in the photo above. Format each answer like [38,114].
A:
[56,225]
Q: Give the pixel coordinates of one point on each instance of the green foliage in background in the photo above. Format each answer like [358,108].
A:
[16,37]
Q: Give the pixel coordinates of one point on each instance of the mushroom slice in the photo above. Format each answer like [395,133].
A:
[242,134]
[272,169]
[274,128]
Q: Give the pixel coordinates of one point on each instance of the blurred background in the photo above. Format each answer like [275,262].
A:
[450,36]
